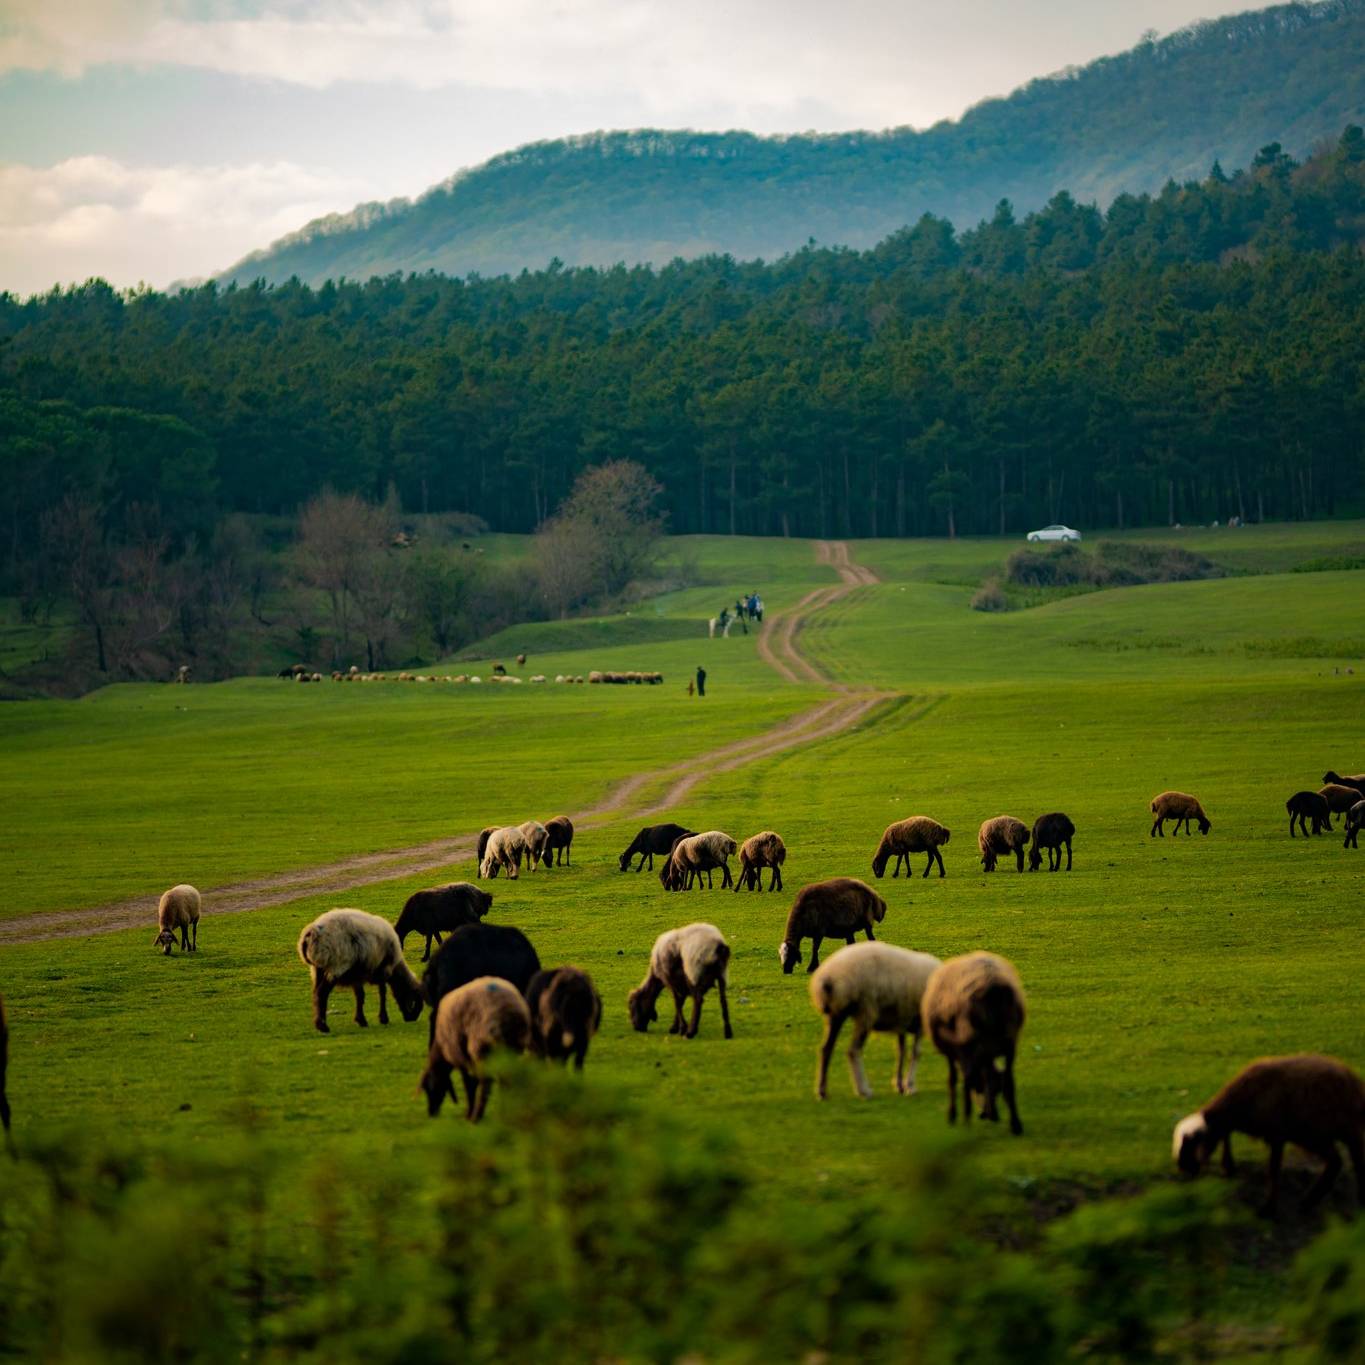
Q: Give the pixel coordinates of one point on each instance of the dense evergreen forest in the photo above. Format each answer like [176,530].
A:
[1219,89]
[1183,357]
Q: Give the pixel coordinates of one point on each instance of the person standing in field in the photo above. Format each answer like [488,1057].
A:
[701,682]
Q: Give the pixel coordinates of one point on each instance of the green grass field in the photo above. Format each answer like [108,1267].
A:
[1154,969]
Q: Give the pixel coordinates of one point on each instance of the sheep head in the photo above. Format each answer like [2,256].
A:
[435,1083]
[165,940]
[1205,824]
[789,954]
[878,908]
[1192,1143]
[1035,858]
[640,1003]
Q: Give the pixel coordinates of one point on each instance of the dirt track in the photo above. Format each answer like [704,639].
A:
[776,646]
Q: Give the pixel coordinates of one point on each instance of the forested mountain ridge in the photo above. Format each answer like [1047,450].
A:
[1189,355]
[1217,90]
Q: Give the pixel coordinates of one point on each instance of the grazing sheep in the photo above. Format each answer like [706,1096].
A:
[697,854]
[1051,832]
[499,670]
[973,1012]
[1339,798]
[756,853]
[837,908]
[1355,817]
[881,989]
[688,961]
[566,1011]
[650,840]
[537,837]
[476,950]
[1312,1101]
[485,834]
[917,834]
[4,1067]
[521,661]
[355,949]
[1002,836]
[1178,806]
[472,1023]
[560,843]
[1303,806]
[178,909]
[1357,781]
[440,910]
[505,848]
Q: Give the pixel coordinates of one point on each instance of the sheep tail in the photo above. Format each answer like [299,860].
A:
[567,1039]
[306,945]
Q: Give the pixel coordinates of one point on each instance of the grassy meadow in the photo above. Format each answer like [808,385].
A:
[1154,969]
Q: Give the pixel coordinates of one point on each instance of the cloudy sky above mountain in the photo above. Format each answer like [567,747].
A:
[156,140]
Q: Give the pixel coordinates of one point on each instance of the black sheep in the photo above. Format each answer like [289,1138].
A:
[651,840]
[1053,832]
[476,950]
[566,1011]
[441,910]
[1305,806]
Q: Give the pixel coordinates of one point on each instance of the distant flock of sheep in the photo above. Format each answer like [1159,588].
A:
[300,673]
[489,994]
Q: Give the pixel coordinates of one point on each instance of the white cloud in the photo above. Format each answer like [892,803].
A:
[92,215]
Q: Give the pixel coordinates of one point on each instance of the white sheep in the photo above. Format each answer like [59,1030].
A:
[696,854]
[881,989]
[688,961]
[506,848]
[537,837]
[472,1022]
[353,948]
[179,910]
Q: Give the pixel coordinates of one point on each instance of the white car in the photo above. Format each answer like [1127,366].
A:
[1055,533]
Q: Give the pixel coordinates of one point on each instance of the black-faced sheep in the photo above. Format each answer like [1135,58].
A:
[472,1023]
[4,1068]
[756,853]
[837,908]
[999,837]
[537,839]
[1180,807]
[1052,832]
[477,950]
[973,1012]
[1339,798]
[566,1011]
[1357,780]
[356,949]
[917,834]
[1312,1101]
[697,854]
[1355,817]
[506,848]
[688,961]
[178,912]
[651,840]
[1305,806]
[560,831]
[440,910]
[881,989]
[485,834]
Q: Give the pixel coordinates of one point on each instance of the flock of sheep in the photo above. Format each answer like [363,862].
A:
[488,993]
[301,673]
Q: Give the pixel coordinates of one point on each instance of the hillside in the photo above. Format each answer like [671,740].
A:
[1217,90]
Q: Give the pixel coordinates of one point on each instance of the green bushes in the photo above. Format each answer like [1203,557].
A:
[1114,564]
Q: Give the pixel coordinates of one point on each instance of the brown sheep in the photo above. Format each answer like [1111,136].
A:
[1312,1101]
[698,854]
[917,834]
[353,948]
[441,910]
[1355,817]
[472,1023]
[1302,807]
[1357,780]
[521,661]
[566,1011]
[557,848]
[1340,798]
[756,853]
[1179,807]
[973,1012]
[688,962]
[178,911]
[837,908]
[1051,832]
[1002,835]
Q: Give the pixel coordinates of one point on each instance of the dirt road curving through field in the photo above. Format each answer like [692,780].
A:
[642,795]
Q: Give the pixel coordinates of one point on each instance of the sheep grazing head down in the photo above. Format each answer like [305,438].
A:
[642,1009]
[409,999]
[1191,1144]
[165,940]
[789,954]
[435,1084]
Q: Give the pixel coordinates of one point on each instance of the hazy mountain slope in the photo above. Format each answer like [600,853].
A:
[1221,89]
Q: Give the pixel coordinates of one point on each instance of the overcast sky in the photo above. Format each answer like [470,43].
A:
[156,140]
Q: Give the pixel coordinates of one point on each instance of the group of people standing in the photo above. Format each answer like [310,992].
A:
[746,609]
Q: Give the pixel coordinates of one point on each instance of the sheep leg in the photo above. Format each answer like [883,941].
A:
[184,938]
[426,954]
[1229,1166]
[481,1098]
[1068,856]
[1331,1169]
[1007,1089]
[1354,1145]
[855,1063]
[852,938]
[359,989]
[194,937]
[727,879]
[724,1006]
[1272,1199]
[470,1090]
[832,1026]
[896,871]
[910,1086]
[691,1030]
[1156,829]
[580,1049]
[383,1003]
[952,1093]
[1019,856]
[900,1062]
[776,884]
[322,988]
[678,998]
[815,943]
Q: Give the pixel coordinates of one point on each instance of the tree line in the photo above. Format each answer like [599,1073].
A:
[1184,356]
